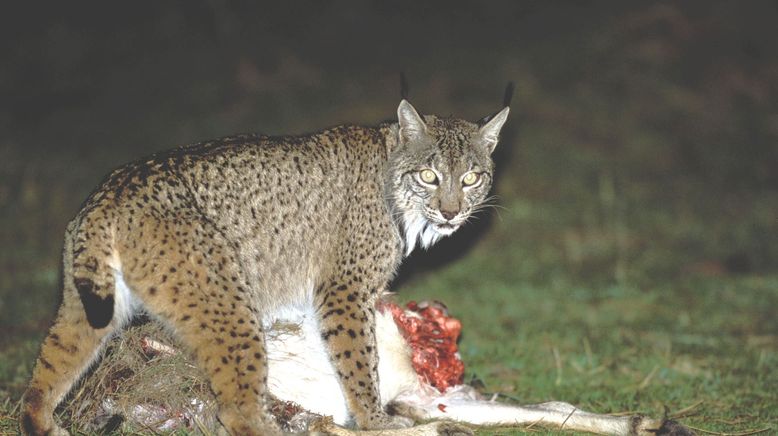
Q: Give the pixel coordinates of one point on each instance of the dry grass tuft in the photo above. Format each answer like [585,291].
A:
[145,383]
[142,383]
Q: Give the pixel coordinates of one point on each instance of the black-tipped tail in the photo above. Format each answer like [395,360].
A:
[99,309]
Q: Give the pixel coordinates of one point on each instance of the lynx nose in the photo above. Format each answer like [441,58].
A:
[448,214]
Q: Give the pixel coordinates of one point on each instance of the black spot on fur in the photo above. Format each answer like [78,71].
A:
[331,332]
[46,364]
[99,310]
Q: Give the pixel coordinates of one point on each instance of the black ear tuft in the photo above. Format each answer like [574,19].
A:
[506,102]
[508,96]
[404,86]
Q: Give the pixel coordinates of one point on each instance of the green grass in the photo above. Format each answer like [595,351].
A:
[631,263]
[699,341]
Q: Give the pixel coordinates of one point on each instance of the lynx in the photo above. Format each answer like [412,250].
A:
[217,239]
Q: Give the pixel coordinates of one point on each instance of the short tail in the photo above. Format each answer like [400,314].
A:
[88,247]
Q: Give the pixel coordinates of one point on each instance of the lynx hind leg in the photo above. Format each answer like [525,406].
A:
[72,344]
[68,350]
[194,284]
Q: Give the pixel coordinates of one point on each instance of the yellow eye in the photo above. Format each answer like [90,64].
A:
[470,179]
[428,176]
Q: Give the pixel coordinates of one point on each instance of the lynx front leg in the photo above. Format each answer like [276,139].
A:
[347,317]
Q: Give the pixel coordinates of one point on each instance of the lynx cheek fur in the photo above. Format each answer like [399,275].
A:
[216,239]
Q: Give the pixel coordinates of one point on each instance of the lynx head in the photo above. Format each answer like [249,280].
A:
[440,172]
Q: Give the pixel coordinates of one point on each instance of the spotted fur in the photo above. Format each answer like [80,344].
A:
[215,239]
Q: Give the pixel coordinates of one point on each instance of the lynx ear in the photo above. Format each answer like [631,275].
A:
[490,132]
[411,123]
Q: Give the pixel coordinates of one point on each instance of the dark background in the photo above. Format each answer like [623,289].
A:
[640,159]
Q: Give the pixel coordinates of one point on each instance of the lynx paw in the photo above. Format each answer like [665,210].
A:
[236,424]
[55,430]
[385,422]
[452,429]
[30,426]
